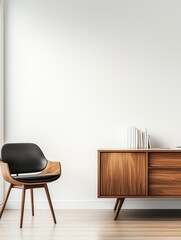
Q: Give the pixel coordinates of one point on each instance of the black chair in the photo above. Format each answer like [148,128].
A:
[19,161]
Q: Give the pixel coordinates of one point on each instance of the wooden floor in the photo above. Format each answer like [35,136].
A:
[92,225]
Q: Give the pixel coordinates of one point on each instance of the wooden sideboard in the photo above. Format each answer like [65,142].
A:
[139,173]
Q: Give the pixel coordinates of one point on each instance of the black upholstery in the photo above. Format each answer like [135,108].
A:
[23,157]
[37,177]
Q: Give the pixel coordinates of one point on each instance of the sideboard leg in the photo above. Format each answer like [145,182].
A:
[116,204]
[120,203]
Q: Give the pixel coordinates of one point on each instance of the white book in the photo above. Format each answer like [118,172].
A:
[143,135]
[135,142]
[128,129]
[133,136]
[129,136]
[136,138]
[139,138]
[142,139]
[145,139]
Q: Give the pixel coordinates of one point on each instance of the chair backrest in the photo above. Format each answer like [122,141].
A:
[23,157]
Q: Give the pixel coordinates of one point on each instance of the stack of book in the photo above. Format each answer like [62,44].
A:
[137,138]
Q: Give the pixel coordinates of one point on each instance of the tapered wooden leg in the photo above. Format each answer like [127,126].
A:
[50,202]
[120,203]
[5,201]
[116,204]
[32,201]
[22,205]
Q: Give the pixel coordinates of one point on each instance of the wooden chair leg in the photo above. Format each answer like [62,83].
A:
[116,204]
[50,202]
[22,205]
[32,201]
[6,199]
[120,203]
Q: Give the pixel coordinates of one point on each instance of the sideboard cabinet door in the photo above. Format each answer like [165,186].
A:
[122,174]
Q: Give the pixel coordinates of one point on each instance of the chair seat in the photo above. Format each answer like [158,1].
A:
[34,178]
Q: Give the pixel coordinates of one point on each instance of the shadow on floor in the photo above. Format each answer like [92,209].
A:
[150,214]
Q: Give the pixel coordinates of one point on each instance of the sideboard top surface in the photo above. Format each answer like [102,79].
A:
[145,150]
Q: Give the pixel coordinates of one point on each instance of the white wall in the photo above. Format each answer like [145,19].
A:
[79,72]
[1,94]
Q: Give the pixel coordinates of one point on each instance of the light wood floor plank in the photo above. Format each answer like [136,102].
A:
[92,225]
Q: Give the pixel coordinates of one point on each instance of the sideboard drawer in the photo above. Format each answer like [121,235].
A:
[164,159]
[164,182]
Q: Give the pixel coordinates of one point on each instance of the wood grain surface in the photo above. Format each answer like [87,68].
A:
[145,173]
[93,225]
[122,174]
[164,159]
[165,182]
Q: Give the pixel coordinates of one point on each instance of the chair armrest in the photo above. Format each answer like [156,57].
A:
[52,167]
[6,173]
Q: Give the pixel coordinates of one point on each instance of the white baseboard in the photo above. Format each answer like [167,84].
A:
[101,204]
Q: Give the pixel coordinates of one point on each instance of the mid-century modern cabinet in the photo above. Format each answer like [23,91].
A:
[139,173]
